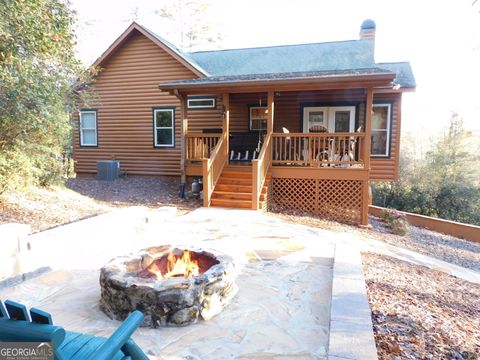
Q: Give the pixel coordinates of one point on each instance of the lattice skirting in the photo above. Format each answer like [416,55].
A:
[339,200]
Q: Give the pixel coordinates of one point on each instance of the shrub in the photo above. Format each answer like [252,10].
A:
[397,221]
[399,226]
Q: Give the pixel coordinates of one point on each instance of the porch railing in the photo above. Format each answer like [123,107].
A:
[260,167]
[199,146]
[212,168]
[318,149]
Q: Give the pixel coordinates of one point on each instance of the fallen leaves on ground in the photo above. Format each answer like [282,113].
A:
[420,313]
[44,208]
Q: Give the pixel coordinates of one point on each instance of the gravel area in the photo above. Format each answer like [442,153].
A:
[444,247]
[420,313]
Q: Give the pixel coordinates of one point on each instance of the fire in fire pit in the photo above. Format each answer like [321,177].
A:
[171,286]
[183,263]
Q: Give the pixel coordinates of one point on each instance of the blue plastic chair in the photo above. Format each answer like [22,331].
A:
[17,324]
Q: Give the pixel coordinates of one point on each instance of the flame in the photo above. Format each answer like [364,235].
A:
[177,266]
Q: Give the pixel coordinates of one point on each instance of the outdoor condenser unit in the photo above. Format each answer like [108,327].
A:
[108,169]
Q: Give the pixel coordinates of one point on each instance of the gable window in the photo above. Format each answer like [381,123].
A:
[258,117]
[88,128]
[163,127]
[204,102]
[381,124]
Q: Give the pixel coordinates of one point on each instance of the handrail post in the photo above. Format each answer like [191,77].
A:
[255,194]
[206,182]
[226,120]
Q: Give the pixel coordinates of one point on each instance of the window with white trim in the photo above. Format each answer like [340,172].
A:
[258,117]
[88,128]
[164,127]
[207,102]
[381,128]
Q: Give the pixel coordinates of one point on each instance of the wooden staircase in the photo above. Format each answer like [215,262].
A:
[234,188]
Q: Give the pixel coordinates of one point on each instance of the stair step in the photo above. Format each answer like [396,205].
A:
[234,168]
[235,195]
[235,181]
[233,203]
[233,188]
[237,174]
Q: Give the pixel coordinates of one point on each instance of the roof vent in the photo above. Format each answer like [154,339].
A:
[368,24]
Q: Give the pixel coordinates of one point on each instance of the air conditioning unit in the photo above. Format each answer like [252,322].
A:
[108,169]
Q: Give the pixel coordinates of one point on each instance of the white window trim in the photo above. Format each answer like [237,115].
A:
[206,98]
[82,128]
[388,130]
[155,127]
[250,117]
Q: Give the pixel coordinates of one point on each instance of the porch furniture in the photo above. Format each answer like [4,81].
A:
[245,146]
[318,129]
[19,324]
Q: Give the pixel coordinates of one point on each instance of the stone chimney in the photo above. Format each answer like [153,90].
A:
[367,30]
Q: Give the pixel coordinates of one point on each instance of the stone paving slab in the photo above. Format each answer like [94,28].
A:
[380,247]
[351,329]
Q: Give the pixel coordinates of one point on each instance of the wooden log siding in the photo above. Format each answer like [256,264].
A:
[127,90]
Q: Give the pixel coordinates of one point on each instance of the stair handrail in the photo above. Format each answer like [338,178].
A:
[260,167]
[212,168]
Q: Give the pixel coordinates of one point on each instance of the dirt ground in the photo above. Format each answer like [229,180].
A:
[44,208]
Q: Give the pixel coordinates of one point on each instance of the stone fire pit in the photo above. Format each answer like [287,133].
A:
[136,282]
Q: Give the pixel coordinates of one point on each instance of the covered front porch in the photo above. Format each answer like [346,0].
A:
[303,146]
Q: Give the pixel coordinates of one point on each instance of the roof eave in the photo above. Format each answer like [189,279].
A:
[331,82]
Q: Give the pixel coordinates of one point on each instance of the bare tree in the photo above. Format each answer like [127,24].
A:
[189,24]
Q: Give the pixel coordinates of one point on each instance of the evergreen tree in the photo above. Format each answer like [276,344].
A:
[37,71]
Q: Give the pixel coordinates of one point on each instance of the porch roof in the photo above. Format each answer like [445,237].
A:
[373,76]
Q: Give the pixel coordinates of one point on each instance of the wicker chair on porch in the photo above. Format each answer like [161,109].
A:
[321,149]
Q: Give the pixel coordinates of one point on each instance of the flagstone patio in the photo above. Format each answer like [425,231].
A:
[284,275]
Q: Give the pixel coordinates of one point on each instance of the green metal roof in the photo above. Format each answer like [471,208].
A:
[275,62]
[341,55]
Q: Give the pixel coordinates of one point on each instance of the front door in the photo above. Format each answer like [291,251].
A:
[333,118]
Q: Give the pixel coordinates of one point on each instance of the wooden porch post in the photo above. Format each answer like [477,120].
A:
[367,151]
[368,127]
[226,119]
[271,108]
[183,132]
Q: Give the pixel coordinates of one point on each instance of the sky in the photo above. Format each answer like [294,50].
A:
[440,39]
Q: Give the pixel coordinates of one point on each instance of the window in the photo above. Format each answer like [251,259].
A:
[163,127]
[88,128]
[205,102]
[258,117]
[381,130]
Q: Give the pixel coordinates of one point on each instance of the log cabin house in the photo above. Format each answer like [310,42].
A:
[299,126]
